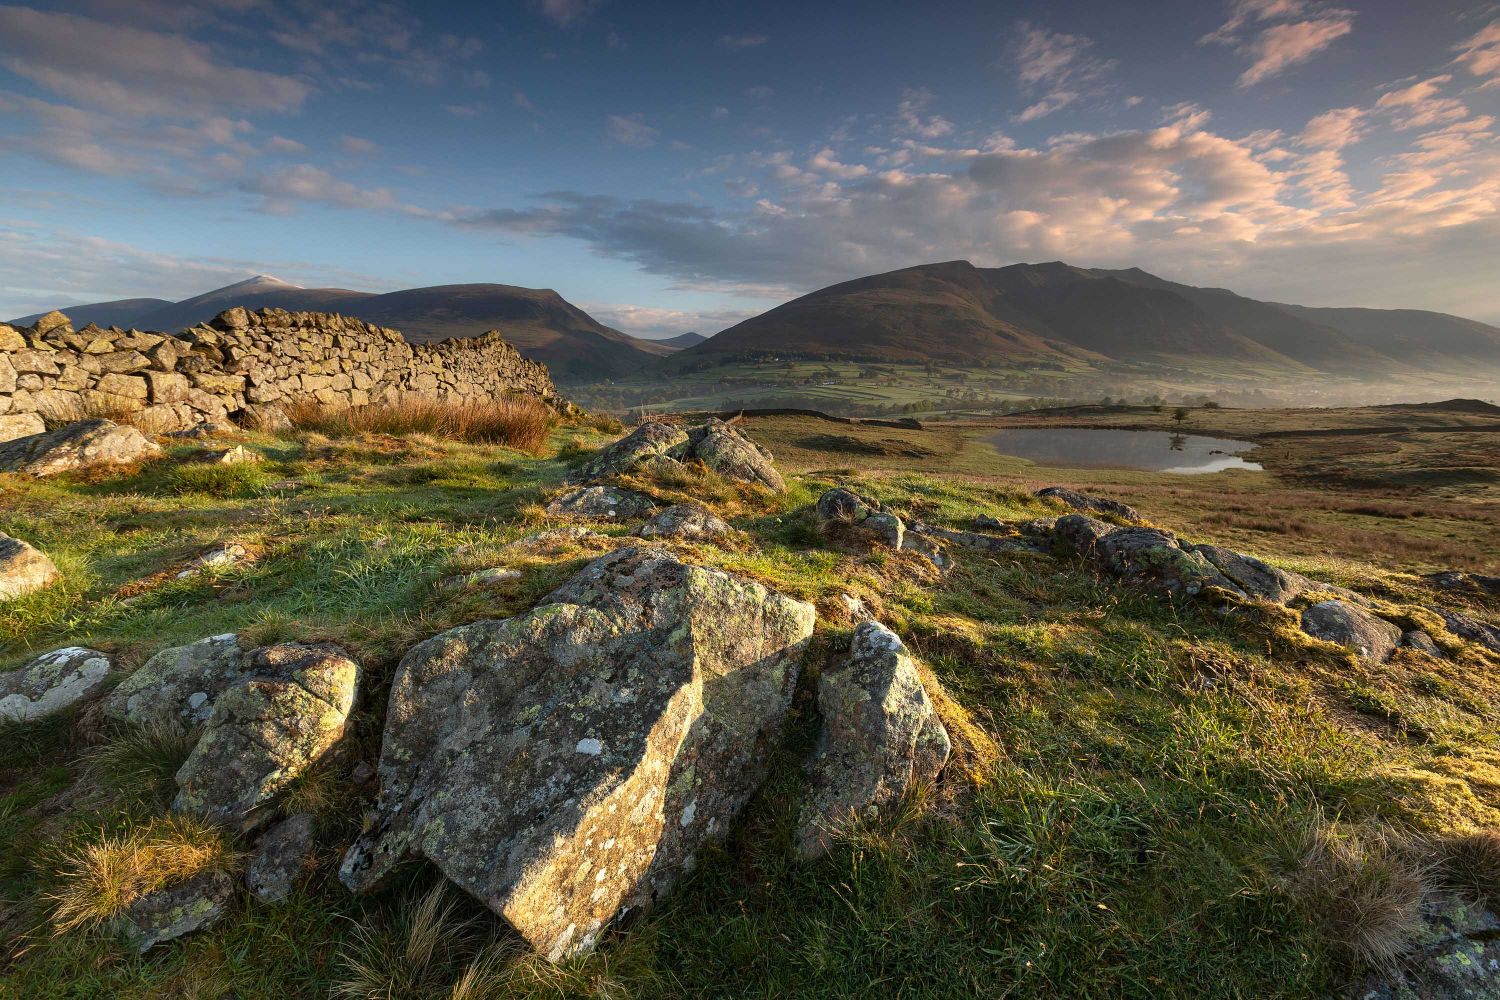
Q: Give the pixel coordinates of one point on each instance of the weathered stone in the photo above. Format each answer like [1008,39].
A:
[1085,503]
[7,376]
[605,502]
[123,386]
[1079,534]
[52,322]
[217,558]
[1456,956]
[1471,629]
[1153,557]
[171,912]
[688,521]
[731,454]
[1372,639]
[554,540]
[34,362]
[166,387]
[11,339]
[19,425]
[1421,642]
[1452,579]
[1256,578]
[288,711]
[650,439]
[23,568]
[122,362]
[282,855]
[840,506]
[237,455]
[567,765]
[479,578]
[51,683]
[82,445]
[881,736]
[177,686]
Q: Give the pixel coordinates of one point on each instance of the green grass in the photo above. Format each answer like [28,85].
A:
[1136,785]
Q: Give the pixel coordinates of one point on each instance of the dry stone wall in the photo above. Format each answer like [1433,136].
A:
[242,365]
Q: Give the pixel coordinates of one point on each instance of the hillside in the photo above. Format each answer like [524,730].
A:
[683,341]
[954,311]
[540,323]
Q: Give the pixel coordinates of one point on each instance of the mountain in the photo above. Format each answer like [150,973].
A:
[682,341]
[120,312]
[956,312]
[538,321]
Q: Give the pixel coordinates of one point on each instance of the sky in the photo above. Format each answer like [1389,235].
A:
[682,166]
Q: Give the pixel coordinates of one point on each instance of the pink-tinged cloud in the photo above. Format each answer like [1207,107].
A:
[1480,55]
[1282,46]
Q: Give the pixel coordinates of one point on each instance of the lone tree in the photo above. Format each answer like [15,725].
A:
[1180,414]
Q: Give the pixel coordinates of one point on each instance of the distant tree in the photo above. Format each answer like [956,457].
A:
[1180,414]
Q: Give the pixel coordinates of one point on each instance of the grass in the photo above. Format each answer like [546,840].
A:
[1127,815]
[521,422]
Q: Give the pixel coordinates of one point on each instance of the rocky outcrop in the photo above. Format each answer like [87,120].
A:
[290,708]
[479,578]
[220,557]
[717,445]
[1372,639]
[177,686]
[567,765]
[1471,629]
[282,855]
[1152,557]
[243,364]
[840,508]
[1257,579]
[1457,580]
[82,445]
[1456,956]
[686,522]
[881,736]
[173,911]
[51,683]
[23,568]
[1087,504]
[605,503]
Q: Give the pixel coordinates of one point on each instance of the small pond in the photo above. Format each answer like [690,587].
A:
[1153,451]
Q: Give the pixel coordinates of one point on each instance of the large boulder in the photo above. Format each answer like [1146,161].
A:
[566,765]
[1087,504]
[651,439]
[1475,583]
[606,503]
[881,736]
[288,711]
[23,568]
[724,449]
[1152,557]
[685,521]
[178,685]
[1372,639]
[1471,629]
[1255,577]
[78,446]
[51,683]
[1079,534]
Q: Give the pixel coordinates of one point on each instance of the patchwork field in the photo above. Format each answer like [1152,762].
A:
[1149,795]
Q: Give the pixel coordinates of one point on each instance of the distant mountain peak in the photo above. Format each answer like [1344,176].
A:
[256,281]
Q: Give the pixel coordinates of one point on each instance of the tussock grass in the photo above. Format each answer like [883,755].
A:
[142,761]
[100,879]
[1365,889]
[521,422]
[1469,863]
[237,481]
[412,955]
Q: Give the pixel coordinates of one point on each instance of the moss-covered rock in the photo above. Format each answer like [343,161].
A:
[51,683]
[178,685]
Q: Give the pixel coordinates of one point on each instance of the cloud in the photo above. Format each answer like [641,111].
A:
[632,131]
[1422,104]
[523,102]
[1283,34]
[566,12]
[464,110]
[910,116]
[1334,129]
[355,146]
[1058,66]
[1480,54]
[660,323]
[282,188]
[743,41]
[135,72]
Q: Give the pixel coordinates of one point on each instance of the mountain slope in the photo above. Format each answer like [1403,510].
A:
[259,292]
[1439,337]
[682,341]
[120,312]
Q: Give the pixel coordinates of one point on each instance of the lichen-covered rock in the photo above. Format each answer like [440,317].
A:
[554,540]
[881,736]
[51,683]
[221,556]
[1471,629]
[1255,577]
[289,709]
[237,455]
[83,445]
[566,765]
[1456,956]
[479,578]
[1152,557]
[1085,503]
[168,913]
[688,521]
[840,506]
[1079,534]
[602,502]
[23,568]
[282,855]
[178,685]
[1475,583]
[1012,541]
[727,451]
[1372,639]
[1421,642]
[651,439]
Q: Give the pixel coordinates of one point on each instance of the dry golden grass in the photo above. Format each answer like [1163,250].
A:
[1365,888]
[521,422]
[1470,865]
[100,880]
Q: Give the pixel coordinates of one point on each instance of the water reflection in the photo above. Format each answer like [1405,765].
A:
[1155,451]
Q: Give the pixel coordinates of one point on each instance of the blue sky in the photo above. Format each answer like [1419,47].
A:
[676,166]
